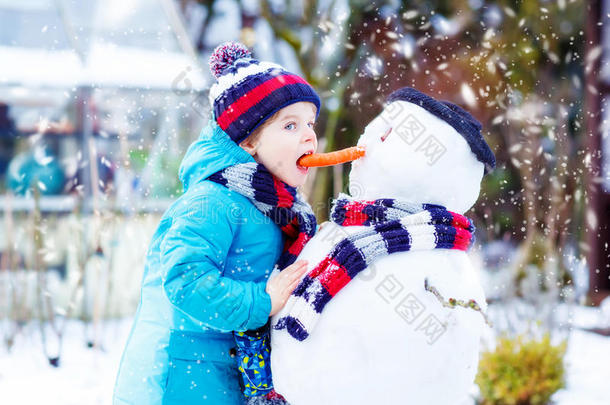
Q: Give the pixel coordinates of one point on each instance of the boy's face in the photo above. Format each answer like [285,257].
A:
[284,140]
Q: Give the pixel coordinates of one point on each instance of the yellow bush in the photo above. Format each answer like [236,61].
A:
[521,371]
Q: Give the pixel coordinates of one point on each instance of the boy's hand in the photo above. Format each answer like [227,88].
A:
[281,286]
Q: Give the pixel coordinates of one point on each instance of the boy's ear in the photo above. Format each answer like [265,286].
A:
[249,146]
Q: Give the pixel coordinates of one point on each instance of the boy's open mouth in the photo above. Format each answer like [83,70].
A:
[300,167]
[330,158]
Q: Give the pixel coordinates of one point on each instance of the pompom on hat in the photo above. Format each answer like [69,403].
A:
[249,91]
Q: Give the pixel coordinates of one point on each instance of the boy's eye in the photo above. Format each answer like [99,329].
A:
[290,126]
[311,124]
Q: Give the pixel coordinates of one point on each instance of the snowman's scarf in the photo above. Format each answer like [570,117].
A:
[391,226]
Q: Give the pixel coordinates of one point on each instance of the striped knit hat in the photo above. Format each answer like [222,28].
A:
[249,91]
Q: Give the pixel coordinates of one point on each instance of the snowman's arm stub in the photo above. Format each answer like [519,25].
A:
[453,303]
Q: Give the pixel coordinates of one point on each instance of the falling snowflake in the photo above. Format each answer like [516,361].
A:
[374,66]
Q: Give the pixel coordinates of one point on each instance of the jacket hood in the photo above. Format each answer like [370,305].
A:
[211,152]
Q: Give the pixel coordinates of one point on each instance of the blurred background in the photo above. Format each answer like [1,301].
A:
[99,100]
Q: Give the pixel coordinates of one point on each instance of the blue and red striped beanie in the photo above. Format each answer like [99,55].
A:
[249,91]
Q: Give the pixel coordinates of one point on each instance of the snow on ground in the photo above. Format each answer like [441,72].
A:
[86,376]
[587,361]
[588,370]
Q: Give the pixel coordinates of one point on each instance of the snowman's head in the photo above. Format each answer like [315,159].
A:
[424,151]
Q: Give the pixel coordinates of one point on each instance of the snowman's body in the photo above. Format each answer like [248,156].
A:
[384,338]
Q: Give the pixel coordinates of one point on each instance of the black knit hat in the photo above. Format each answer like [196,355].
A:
[457,117]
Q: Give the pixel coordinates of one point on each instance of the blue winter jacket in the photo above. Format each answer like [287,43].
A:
[205,276]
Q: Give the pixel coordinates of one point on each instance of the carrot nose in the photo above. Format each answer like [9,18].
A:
[332,158]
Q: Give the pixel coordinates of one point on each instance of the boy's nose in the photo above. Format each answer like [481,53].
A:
[310,136]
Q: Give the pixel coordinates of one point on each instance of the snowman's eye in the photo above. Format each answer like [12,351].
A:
[386,134]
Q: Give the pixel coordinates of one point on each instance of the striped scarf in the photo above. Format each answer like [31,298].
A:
[277,200]
[280,202]
[391,226]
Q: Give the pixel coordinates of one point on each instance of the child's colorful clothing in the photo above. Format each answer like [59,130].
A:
[277,200]
[204,277]
[208,262]
[286,208]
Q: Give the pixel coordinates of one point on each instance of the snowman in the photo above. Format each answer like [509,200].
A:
[405,326]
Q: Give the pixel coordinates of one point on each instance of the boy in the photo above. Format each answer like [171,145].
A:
[207,266]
